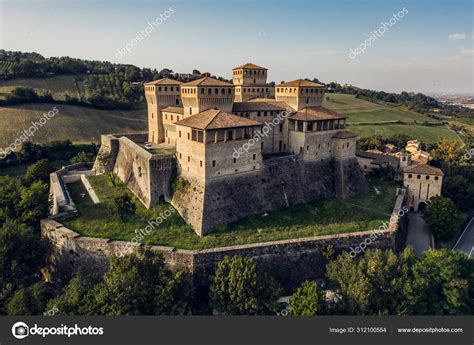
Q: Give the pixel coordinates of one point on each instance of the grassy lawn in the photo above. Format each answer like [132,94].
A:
[364,112]
[315,218]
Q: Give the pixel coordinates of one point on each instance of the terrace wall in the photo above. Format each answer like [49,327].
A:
[289,261]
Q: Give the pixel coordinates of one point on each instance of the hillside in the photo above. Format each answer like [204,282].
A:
[57,86]
[369,118]
[78,124]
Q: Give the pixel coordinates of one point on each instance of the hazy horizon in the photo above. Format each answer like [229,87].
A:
[429,49]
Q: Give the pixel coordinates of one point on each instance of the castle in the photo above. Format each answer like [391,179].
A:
[236,149]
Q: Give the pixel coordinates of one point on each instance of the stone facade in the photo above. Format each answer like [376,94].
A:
[225,148]
[422,183]
[147,175]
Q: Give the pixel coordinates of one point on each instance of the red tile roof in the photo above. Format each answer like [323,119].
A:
[316,114]
[423,169]
[249,65]
[300,83]
[207,81]
[216,119]
[164,81]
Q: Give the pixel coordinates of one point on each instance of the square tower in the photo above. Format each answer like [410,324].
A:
[160,94]
[422,182]
[250,82]
[206,93]
[300,93]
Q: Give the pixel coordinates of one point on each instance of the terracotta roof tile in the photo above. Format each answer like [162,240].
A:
[249,65]
[423,169]
[315,114]
[215,119]
[207,81]
[164,81]
[300,83]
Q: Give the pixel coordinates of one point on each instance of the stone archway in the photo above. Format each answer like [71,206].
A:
[421,206]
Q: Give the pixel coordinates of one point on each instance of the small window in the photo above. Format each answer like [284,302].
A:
[418,177]
[427,177]
[436,178]
[179,133]
[254,156]
[235,160]
[189,159]
[410,176]
[213,163]
[200,164]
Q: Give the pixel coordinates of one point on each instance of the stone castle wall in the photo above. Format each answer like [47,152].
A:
[289,261]
[147,175]
[283,182]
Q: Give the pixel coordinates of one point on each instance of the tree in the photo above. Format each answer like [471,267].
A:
[123,206]
[77,297]
[22,255]
[372,284]
[442,217]
[460,190]
[30,301]
[83,157]
[34,203]
[38,171]
[307,300]
[142,286]
[239,287]
[443,283]
[448,151]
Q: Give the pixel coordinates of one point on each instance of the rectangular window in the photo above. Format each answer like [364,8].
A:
[213,163]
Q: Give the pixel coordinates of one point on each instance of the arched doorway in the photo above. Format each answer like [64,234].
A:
[421,206]
[161,199]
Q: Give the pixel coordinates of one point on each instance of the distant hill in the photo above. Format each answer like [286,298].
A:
[369,118]
[78,124]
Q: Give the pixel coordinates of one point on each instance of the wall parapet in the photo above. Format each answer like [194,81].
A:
[290,261]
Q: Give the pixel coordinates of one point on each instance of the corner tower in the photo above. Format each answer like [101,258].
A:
[206,93]
[160,94]
[300,94]
[250,81]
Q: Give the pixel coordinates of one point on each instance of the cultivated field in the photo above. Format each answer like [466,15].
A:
[368,118]
[57,86]
[78,124]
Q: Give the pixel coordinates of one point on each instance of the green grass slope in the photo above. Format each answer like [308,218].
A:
[323,217]
[78,124]
[367,118]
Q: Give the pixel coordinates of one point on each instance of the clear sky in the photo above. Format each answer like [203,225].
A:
[429,49]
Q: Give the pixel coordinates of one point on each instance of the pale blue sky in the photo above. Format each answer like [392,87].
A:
[293,39]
